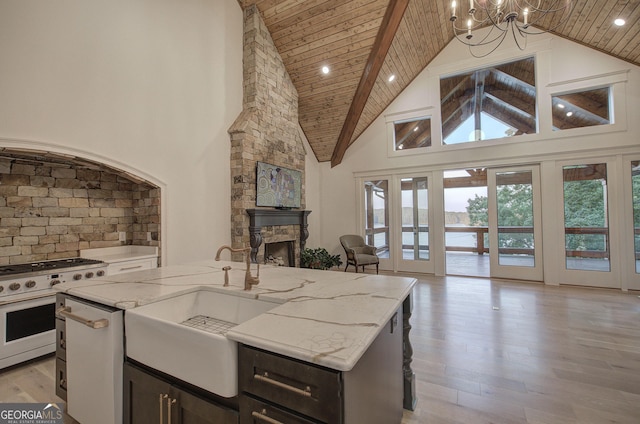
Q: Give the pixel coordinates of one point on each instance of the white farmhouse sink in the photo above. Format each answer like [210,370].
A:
[161,336]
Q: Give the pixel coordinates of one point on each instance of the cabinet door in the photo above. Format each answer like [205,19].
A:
[191,409]
[144,401]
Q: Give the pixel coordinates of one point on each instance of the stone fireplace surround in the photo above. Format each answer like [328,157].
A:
[289,225]
[266,130]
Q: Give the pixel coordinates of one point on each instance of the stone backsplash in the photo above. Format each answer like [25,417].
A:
[51,211]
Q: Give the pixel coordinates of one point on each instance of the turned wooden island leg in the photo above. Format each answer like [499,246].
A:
[409,377]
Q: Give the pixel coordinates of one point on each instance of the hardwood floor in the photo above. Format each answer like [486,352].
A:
[31,382]
[488,351]
[503,352]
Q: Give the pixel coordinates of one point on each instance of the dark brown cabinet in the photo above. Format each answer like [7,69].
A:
[310,390]
[150,399]
[277,389]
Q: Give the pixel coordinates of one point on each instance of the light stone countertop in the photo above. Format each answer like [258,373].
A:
[325,317]
[120,253]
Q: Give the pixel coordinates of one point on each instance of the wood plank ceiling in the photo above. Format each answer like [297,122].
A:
[341,34]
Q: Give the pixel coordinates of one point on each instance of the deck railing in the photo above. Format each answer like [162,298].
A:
[481,234]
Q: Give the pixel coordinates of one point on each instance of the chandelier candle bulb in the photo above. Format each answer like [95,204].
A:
[453,10]
[526,16]
[469,29]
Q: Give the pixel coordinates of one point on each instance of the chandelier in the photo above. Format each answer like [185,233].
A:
[518,17]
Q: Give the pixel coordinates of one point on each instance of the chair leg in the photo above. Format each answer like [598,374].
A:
[345,268]
[376,268]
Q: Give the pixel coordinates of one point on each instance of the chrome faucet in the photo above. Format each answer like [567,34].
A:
[249,280]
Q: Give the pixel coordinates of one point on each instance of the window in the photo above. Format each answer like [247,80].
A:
[489,103]
[581,109]
[412,134]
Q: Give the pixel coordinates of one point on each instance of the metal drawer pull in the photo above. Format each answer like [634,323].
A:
[170,402]
[261,416]
[130,267]
[65,311]
[265,378]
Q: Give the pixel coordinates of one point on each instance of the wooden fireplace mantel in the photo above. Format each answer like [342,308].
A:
[275,217]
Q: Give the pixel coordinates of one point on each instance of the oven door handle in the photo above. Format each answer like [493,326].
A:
[65,311]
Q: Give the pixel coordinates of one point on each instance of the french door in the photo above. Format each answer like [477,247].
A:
[377,217]
[591,236]
[631,249]
[411,235]
[515,226]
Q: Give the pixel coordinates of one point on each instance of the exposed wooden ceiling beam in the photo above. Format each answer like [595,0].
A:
[386,33]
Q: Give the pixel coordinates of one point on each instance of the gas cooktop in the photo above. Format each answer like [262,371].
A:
[58,264]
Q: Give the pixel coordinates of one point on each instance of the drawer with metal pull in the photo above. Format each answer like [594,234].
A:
[256,411]
[309,389]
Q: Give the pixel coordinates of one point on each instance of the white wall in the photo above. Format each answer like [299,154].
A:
[148,86]
[313,186]
[560,63]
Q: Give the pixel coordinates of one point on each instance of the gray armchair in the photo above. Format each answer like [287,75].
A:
[358,253]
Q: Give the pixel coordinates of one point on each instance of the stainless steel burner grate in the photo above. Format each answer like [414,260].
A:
[208,324]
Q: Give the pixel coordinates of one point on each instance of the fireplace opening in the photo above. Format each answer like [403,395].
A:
[281,253]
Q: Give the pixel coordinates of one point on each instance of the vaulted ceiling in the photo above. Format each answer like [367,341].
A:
[366,41]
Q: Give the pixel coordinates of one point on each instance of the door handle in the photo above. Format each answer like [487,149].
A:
[65,311]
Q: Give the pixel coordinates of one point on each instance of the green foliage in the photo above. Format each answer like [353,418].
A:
[319,259]
[584,206]
[478,211]
[516,210]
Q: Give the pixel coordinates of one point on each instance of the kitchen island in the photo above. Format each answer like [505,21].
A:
[328,320]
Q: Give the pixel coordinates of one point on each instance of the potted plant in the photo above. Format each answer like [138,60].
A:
[319,259]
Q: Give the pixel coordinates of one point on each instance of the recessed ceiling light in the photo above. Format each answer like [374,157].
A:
[416,128]
[569,113]
[325,70]
[391,77]
[620,22]
[560,105]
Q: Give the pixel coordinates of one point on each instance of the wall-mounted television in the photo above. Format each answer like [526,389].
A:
[277,187]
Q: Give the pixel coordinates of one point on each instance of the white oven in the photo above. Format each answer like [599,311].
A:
[27,329]
[27,305]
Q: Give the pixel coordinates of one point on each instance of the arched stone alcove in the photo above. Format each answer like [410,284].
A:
[54,204]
